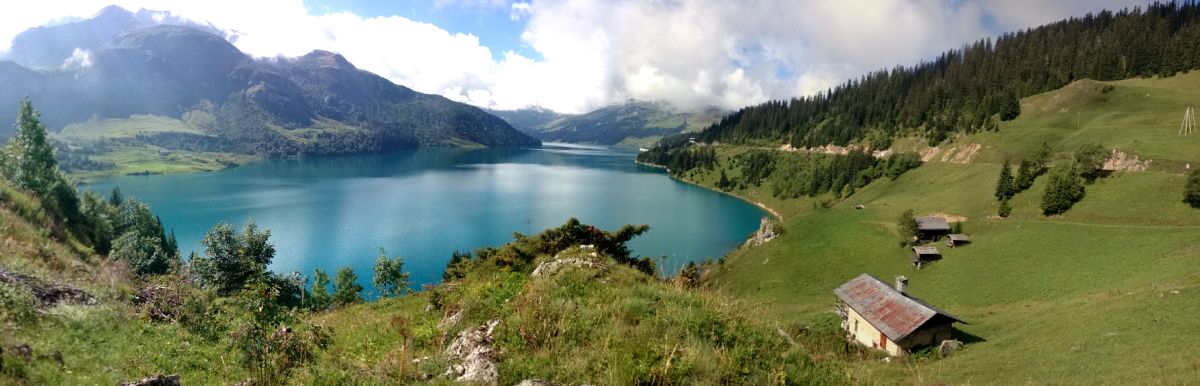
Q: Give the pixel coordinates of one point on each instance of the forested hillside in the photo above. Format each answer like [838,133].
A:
[223,100]
[973,88]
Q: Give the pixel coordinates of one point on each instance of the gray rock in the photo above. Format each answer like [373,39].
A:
[157,380]
[949,346]
[536,382]
[473,349]
[765,233]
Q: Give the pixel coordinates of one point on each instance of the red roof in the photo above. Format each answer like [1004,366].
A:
[894,314]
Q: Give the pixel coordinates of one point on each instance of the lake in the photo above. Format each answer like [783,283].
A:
[330,212]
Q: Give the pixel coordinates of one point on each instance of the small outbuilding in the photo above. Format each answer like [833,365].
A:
[931,228]
[923,254]
[879,316]
[957,239]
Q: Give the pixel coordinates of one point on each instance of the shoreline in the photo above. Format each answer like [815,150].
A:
[774,213]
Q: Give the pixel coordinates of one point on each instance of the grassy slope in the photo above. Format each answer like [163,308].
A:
[1102,295]
[144,159]
[1138,115]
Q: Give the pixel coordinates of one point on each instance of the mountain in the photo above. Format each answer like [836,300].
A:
[527,119]
[634,122]
[318,103]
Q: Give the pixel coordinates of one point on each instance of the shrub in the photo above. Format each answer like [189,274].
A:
[1191,191]
[232,260]
[907,224]
[1005,209]
[142,253]
[16,305]
[319,298]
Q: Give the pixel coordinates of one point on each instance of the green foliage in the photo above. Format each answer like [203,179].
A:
[1064,189]
[1005,209]
[811,175]
[16,305]
[264,336]
[1089,161]
[756,166]
[454,268]
[346,290]
[899,163]
[232,260]
[1191,190]
[143,254]
[681,158]
[35,167]
[319,298]
[1004,186]
[390,279]
[907,225]
[1011,108]
[723,182]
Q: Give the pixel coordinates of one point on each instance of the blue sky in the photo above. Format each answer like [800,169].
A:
[576,55]
[493,25]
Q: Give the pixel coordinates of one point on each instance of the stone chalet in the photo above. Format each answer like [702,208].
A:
[879,316]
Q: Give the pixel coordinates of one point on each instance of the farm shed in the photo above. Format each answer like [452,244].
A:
[879,316]
[931,228]
[956,239]
[924,254]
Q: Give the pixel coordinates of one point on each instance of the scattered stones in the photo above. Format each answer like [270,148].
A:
[473,348]
[536,382]
[949,346]
[450,320]
[157,380]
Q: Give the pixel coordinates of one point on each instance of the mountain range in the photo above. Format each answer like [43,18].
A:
[634,123]
[119,64]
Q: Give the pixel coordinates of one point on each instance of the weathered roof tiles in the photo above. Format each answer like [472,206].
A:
[894,314]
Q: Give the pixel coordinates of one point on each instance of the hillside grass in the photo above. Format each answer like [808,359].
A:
[1085,297]
[112,128]
[148,160]
[1140,116]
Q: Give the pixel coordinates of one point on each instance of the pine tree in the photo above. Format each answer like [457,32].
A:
[723,182]
[1005,208]
[1191,191]
[1004,186]
[345,288]
[1064,189]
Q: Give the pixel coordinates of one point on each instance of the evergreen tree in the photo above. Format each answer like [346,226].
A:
[454,269]
[1011,109]
[1004,187]
[1064,189]
[1191,191]
[116,198]
[390,279]
[35,169]
[346,290]
[723,182]
[1005,208]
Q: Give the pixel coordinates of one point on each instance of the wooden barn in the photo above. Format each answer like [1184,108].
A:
[930,229]
[924,254]
[957,239]
[879,316]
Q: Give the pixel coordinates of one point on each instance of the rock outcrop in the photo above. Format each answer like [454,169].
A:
[766,232]
[1120,160]
[473,350]
[47,295]
[585,257]
[157,380]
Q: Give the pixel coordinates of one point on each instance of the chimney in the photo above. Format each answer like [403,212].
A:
[902,284]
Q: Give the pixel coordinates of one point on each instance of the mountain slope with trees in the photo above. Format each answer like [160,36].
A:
[315,104]
[974,88]
[634,122]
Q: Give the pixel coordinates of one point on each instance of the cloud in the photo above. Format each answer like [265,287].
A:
[79,59]
[597,52]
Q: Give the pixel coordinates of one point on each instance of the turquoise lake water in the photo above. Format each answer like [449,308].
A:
[331,212]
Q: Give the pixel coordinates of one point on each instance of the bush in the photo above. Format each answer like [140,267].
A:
[142,253]
[319,298]
[907,224]
[232,260]
[269,347]
[1005,209]
[16,305]
[1191,191]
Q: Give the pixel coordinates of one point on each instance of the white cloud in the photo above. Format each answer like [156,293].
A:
[80,58]
[595,52]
